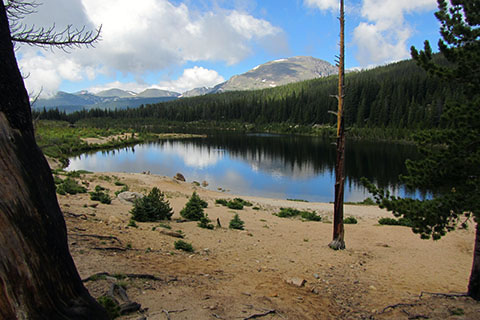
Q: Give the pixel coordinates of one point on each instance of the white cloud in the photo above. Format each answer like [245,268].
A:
[384,38]
[192,78]
[322,4]
[383,35]
[144,37]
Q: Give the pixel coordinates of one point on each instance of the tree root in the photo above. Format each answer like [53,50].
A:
[337,244]
[258,315]
[102,275]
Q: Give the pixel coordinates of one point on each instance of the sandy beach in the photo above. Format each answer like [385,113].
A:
[276,268]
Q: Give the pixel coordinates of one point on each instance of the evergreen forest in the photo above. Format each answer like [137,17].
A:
[397,96]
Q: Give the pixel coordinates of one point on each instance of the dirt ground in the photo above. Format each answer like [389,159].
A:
[253,273]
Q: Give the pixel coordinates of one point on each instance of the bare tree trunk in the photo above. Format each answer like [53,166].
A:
[338,241]
[38,279]
[474,283]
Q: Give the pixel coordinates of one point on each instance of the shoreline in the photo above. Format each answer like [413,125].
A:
[236,273]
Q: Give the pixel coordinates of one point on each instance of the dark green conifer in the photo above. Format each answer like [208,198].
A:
[450,166]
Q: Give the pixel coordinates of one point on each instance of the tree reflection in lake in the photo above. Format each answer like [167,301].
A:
[277,166]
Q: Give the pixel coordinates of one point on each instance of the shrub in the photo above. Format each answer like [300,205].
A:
[244,202]
[70,186]
[119,183]
[183,245]
[152,207]
[124,188]
[57,180]
[223,202]
[350,220]
[112,308]
[99,195]
[232,204]
[193,209]
[287,213]
[310,216]
[132,223]
[236,223]
[393,222]
[205,223]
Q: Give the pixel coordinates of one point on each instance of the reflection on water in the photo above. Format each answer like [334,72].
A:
[261,165]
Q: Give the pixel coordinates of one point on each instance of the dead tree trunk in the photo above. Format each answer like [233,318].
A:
[338,241]
[474,283]
[38,279]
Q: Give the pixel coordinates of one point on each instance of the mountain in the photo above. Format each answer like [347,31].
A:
[268,75]
[156,93]
[107,99]
[115,93]
[279,72]
[197,92]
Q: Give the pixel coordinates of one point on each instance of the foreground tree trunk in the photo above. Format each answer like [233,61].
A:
[338,241]
[474,283]
[38,279]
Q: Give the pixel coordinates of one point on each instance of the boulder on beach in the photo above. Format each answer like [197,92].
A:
[179,177]
[129,196]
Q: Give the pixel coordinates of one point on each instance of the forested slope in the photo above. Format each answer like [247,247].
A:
[399,95]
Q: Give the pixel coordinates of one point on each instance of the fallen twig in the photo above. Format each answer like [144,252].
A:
[71,214]
[258,315]
[167,312]
[446,295]
[95,236]
[393,306]
[110,248]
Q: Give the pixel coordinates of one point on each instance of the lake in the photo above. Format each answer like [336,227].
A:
[275,166]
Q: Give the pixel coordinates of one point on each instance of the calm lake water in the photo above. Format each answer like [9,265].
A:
[285,167]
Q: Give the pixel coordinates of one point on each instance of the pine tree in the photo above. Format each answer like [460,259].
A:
[450,166]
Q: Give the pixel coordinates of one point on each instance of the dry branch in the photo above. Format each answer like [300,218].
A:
[95,236]
[258,315]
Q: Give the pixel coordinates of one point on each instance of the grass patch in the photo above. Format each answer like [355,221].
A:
[183,245]
[350,220]
[112,308]
[69,186]
[297,200]
[100,195]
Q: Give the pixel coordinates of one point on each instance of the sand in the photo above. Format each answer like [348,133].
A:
[236,274]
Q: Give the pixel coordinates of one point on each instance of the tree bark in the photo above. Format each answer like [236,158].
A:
[38,279]
[338,241]
[474,283]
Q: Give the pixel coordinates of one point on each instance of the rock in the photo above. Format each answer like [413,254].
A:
[129,196]
[113,220]
[179,177]
[172,233]
[316,276]
[296,282]
[204,184]
[372,288]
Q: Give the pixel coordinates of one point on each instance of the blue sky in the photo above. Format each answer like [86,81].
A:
[179,45]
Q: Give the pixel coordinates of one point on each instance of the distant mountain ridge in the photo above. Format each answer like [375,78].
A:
[280,72]
[107,99]
[268,75]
